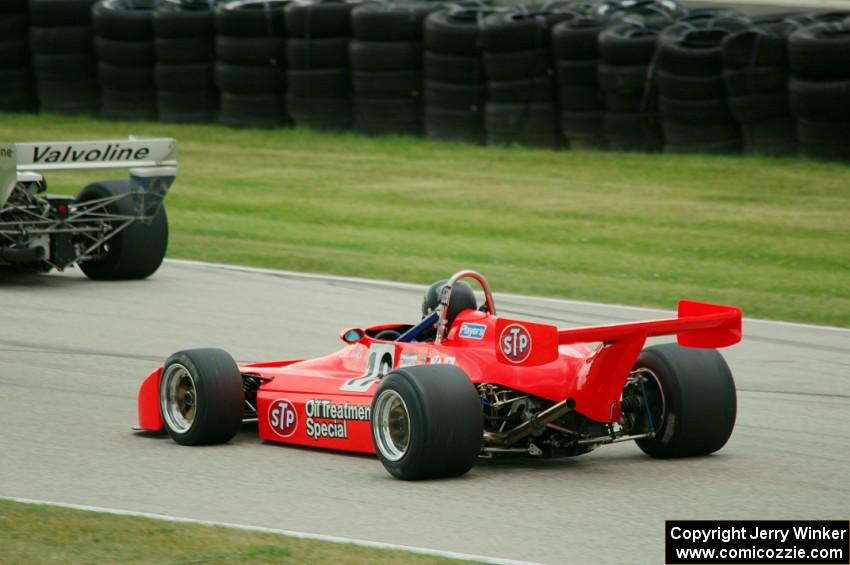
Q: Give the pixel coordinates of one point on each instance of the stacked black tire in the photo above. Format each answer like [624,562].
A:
[756,75]
[63,58]
[631,75]
[521,105]
[627,77]
[386,67]
[615,106]
[319,94]
[626,73]
[819,89]
[184,42]
[655,11]
[250,70]
[455,82]
[582,100]
[125,53]
[692,93]
[17,86]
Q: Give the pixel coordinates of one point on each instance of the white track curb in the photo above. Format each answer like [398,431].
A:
[290,533]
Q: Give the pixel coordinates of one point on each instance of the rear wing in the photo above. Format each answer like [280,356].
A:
[699,324]
[152,163]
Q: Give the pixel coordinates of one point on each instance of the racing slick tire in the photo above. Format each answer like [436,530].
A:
[201,397]
[137,251]
[427,422]
[698,398]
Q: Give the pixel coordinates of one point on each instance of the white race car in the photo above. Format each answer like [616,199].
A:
[114,229]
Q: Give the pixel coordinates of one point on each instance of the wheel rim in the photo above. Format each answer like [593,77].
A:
[391,425]
[178,398]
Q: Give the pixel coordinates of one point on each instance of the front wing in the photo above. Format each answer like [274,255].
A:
[316,420]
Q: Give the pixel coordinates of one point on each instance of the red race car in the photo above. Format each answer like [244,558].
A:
[463,383]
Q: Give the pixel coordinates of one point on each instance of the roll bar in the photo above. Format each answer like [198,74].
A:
[446,294]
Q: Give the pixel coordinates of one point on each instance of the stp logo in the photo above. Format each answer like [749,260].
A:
[515,342]
[282,417]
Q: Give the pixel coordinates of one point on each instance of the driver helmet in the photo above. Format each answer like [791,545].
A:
[461,299]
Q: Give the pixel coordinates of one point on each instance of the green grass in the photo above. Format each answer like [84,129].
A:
[41,534]
[770,235]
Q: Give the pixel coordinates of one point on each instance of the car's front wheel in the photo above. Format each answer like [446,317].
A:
[201,397]
[427,422]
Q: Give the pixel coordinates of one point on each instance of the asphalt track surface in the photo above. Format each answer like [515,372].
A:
[73,352]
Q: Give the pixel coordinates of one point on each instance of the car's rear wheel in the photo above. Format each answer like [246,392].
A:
[201,397]
[427,422]
[699,403]
[137,251]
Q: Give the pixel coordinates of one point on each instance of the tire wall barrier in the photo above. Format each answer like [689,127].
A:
[819,88]
[124,49]
[63,59]
[386,67]
[626,78]
[455,81]
[318,35]
[626,75]
[521,99]
[755,75]
[692,97]
[17,83]
[184,70]
[250,67]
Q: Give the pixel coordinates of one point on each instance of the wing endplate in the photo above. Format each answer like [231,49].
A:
[722,324]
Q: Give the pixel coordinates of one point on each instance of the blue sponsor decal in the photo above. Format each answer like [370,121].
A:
[473,331]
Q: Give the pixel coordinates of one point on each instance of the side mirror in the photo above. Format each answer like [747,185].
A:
[351,335]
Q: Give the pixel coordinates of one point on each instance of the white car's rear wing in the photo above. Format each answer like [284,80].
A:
[70,155]
[147,158]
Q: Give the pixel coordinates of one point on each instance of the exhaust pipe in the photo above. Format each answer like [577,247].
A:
[533,424]
[21,254]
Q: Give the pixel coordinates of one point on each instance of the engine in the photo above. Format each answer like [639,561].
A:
[517,423]
[21,211]
[41,232]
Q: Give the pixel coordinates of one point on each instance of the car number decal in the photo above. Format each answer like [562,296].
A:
[380,362]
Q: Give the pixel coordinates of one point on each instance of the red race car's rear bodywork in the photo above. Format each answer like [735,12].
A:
[326,402]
